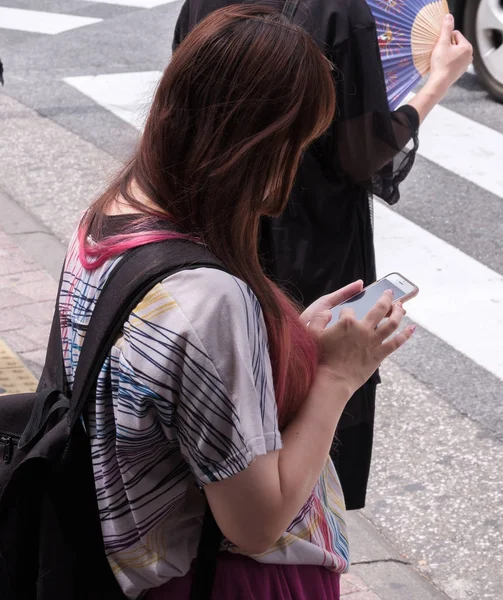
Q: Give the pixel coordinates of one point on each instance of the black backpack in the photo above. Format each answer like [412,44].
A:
[51,545]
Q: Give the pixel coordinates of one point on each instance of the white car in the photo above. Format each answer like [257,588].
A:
[481,21]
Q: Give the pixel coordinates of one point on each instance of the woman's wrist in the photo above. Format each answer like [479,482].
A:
[429,96]
[436,87]
[327,377]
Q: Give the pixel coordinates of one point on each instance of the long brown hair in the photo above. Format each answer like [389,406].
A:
[242,97]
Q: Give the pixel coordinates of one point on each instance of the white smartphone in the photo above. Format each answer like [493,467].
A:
[361,303]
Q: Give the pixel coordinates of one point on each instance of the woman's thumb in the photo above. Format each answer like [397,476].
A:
[447,29]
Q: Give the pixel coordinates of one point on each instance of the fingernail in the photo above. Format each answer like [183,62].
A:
[449,18]
[390,292]
[413,328]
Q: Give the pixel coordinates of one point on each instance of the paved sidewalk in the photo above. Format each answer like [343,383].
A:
[26,304]
[353,588]
[27,295]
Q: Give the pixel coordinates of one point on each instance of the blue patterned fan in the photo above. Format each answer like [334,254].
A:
[407,32]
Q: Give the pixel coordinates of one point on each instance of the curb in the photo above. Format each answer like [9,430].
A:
[31,236]
[377,562]
[378,570]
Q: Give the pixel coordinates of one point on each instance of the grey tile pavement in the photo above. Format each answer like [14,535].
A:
[27,295]
[353,588]
[48,170]
[61,183]
[445,509]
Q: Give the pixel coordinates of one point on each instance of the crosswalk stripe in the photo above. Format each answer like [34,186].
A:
[135,3]
[452,141]
[126,95]
[455,287]
[460,299]
[465,147]
[36,21]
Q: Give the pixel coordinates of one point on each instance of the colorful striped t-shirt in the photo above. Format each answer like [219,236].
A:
[185,398]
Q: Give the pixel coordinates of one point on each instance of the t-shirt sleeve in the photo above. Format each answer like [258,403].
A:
[209,366]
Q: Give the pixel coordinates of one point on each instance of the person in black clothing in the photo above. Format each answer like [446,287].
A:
[324,240]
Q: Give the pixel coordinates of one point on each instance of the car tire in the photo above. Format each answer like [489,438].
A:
[492,83]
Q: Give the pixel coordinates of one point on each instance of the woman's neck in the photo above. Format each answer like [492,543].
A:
[120,206]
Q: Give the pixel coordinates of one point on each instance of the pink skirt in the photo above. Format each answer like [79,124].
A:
[241,578]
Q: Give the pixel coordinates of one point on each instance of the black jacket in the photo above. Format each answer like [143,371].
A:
[324,239]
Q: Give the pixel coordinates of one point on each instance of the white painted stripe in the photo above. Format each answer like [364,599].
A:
[126,95]
[471,150]
[135,3]
[460,300]
[36,21]
[465,147]
[468,149]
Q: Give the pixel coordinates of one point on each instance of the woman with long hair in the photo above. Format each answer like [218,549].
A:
[219,390]
[324,239]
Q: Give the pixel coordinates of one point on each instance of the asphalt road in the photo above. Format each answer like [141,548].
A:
[436,490]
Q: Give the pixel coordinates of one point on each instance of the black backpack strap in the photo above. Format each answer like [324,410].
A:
[206,560]
[53,374]
[133,277]
[290,8]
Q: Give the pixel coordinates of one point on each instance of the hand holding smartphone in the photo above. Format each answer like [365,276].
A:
[366,333]
[361,303]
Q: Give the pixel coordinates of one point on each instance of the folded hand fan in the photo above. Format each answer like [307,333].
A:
[407,32]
